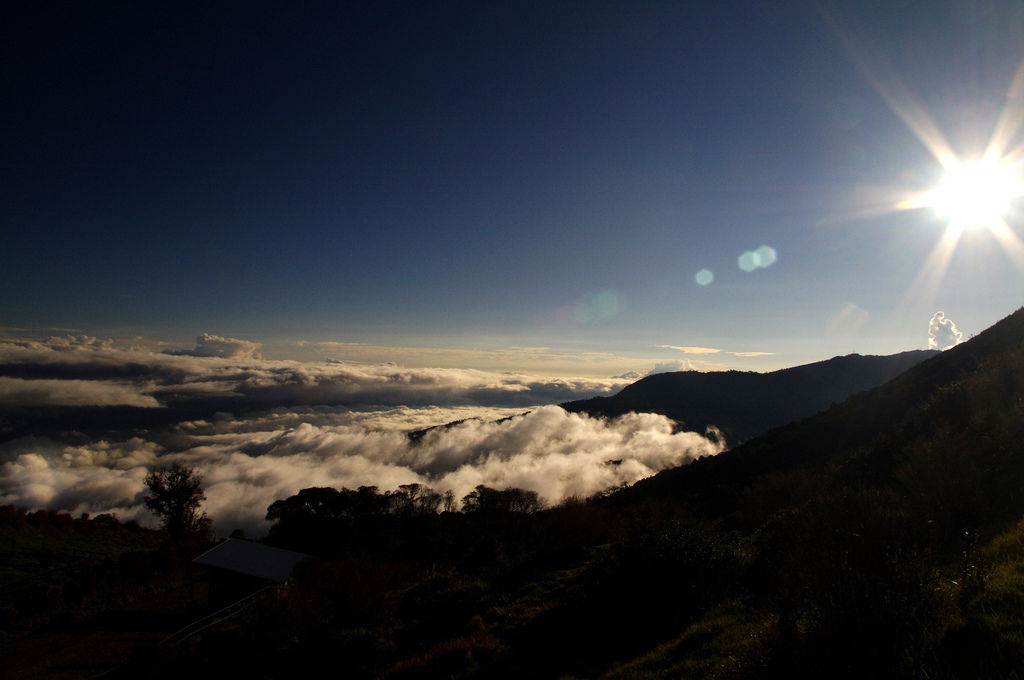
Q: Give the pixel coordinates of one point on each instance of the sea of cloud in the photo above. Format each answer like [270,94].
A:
[44,373]
[259,430]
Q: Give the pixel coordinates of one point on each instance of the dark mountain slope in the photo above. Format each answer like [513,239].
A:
[745,404]
[890,523]
[947,431]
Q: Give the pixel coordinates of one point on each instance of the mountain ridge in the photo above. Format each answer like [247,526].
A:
[969,393]
[744,404]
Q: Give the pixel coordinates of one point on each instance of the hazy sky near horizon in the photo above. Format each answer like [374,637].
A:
[562,187]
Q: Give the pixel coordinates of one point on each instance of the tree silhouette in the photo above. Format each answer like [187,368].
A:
[175,494]
[414,499]
[484,499]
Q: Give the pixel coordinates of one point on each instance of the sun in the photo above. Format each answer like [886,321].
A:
[976,196]
[976,193]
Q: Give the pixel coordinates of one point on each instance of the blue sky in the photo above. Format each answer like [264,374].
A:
[473,177]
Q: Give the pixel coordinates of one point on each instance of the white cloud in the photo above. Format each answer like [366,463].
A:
[673,365]
[35,480]
[713,350]
[73,342]
[17,392]
[208,345]
[532,360]
[942,332]
[691,350]
[548,450]
[138,377]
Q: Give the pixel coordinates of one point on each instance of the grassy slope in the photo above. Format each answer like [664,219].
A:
[80,596]
[52,564]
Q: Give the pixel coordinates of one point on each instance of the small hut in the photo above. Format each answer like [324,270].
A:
[236,567]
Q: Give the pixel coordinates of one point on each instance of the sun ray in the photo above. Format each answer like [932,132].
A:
[880,74]
[924,288]
[1015,155]
[1010,120]
[1012,244]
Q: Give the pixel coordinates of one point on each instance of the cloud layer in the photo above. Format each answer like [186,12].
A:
[83,421]
[713,350]
[549,451]
[28,393]
[229,374]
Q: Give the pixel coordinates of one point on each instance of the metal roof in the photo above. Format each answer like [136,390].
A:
[253,559]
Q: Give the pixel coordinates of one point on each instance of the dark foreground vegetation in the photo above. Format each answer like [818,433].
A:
[881,538]
[54,566]
[80,595]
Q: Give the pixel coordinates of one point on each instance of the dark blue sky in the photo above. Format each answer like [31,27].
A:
[483,175]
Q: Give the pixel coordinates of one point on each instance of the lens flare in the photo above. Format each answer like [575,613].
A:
[762,258]
[704,277]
